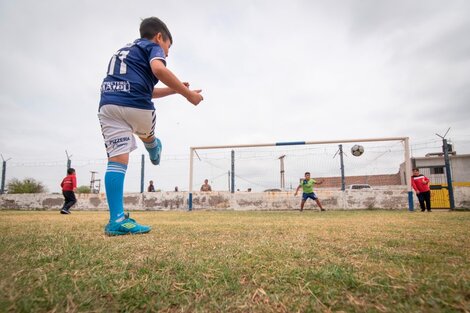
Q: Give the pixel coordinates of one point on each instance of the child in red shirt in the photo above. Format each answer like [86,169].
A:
[69,185]
[420,184]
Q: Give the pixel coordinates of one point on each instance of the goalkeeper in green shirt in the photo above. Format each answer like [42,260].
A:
[307,185]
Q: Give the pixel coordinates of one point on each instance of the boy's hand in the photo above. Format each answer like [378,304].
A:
[168,78]
[195,97]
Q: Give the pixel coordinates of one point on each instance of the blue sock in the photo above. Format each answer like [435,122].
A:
[114,184]
[155,149]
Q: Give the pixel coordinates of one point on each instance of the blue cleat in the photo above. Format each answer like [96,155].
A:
[155,159]
[127,226]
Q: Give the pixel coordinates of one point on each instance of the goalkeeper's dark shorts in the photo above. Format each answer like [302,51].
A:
[311,195]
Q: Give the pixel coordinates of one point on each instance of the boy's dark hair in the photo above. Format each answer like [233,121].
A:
[152,26]
[307,173]
[416,169]
[70,171]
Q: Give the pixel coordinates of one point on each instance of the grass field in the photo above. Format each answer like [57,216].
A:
[362,261]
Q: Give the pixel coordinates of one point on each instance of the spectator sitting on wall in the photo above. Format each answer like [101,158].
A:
[151,187]
[206,186]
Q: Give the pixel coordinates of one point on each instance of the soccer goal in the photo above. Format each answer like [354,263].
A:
[339,164]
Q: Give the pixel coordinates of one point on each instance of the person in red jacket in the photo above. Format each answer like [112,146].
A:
[420,184]
[69,186]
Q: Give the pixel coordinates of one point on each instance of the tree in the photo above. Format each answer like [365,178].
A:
[27,185]
[83,189]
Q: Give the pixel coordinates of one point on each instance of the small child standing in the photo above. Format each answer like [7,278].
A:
[69,186]
[420,184]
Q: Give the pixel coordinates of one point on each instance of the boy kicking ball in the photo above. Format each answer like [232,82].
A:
[126,108]
[307,185]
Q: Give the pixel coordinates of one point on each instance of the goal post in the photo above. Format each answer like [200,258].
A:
[403,140]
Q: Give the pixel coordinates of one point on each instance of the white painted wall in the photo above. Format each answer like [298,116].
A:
[384,198]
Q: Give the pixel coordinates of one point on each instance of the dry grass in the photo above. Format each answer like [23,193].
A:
[377,261]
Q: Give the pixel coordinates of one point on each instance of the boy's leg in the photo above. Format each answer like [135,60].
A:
[65,200]
[421,202]
[302,203]
[427,200]
[119,223]
[114,185]
[65,207]
[70,200]
[118,125]
[154,148]
[319,204]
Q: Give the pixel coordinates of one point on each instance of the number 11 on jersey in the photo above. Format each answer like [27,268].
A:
[118,57]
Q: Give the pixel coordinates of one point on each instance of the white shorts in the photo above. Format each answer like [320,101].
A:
[119,123]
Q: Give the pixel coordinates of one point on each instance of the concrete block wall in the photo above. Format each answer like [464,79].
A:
[461,197]
[385,198]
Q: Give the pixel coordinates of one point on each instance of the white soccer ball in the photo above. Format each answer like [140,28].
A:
[357,150]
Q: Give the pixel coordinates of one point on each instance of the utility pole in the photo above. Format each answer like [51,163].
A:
[283,182]
[93,181]
[69,161]
[142,172]
[232,189]
[340,152]
[4,172]
[450,188]
[343,185]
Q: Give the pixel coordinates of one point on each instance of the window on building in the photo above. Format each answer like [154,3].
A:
[437,170]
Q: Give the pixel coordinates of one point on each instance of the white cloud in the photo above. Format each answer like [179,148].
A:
[269,72]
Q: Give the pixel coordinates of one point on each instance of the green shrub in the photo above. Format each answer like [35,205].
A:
[83,189]
[27,185]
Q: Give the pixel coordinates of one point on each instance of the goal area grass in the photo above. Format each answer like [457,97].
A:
[212,261]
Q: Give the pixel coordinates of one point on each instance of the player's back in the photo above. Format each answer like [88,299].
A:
[130,81]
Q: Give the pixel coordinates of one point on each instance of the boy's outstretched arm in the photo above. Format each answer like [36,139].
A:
[166,91]
[297,190]
[170,79]
[162,92]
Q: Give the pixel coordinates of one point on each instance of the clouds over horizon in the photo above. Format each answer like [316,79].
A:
[310,70]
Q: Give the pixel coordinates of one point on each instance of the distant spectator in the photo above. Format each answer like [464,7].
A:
[249,189]
[69,186]
[420,184]
[151,187]
[176,188]
[206,186]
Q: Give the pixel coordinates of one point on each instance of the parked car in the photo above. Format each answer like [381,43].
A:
[358,186]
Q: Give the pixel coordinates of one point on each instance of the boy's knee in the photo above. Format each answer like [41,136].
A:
[122,158]
[148,139]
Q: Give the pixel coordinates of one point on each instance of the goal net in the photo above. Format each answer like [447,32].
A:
[280,166]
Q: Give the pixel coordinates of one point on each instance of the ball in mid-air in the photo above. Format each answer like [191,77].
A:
[357,150]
